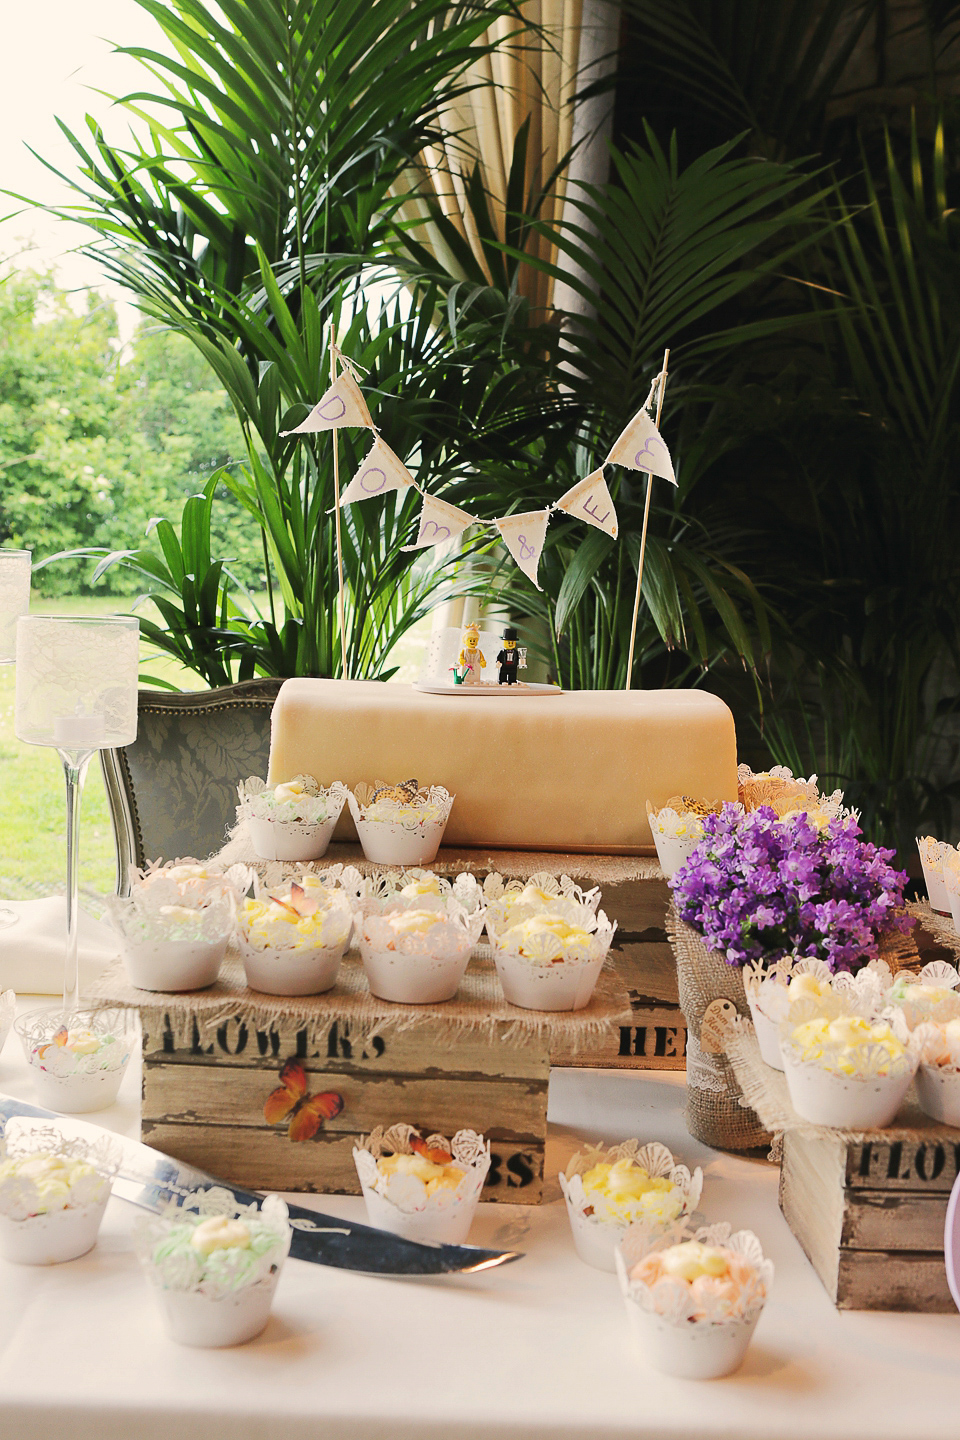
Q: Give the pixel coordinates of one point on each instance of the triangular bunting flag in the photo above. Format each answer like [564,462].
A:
[343,405]
[380,472]
[641,447]
[523,536]
[590,500]
[439,522]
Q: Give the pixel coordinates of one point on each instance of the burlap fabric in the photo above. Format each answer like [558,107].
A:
[716,1112]
[941,927]
[195,1016]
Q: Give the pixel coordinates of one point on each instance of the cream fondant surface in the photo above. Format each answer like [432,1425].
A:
[570,772]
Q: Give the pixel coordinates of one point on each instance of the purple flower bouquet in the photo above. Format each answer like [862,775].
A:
[757,888]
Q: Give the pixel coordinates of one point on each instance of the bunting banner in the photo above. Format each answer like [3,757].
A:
[590,500]
[523,536]
[343,405]
[641,447]
[439,522]
[381,471]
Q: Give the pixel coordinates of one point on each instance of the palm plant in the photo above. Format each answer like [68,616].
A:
[862,485]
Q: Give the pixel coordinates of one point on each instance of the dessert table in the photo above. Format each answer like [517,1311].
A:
[536,1350]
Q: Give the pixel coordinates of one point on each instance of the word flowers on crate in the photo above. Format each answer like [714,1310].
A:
[792,877]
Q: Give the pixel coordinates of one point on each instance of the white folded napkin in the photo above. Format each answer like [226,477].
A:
[32,952]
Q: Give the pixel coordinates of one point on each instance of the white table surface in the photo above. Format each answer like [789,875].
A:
[537,1350]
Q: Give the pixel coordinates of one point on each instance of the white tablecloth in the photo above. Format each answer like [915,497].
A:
[538,1350]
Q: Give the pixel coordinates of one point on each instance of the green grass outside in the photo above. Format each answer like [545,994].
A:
[32,796]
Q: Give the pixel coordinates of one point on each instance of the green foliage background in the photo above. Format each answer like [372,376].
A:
[96,441]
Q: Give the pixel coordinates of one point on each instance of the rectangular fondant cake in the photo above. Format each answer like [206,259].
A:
[569,772]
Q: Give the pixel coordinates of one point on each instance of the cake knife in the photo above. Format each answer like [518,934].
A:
[150,1179]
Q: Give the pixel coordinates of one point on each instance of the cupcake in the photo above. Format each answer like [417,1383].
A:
[608,1190]
[214,1266]
[950,876]
[8,1007]
[938,1073]
[771,992]
[414,884]
[292,937]
[422,1189]
[931,862]
[77,1060]
[550,959]
[516,899]
[293,820]
[53,1192]
[415,947]
[845,1070]
[677,829]
[176,923]
[930,996]
[400,824]
[694,1300]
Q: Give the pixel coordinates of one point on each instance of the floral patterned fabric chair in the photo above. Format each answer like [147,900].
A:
[173,792]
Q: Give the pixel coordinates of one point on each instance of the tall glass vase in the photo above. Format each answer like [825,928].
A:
[15,570]
[77,693]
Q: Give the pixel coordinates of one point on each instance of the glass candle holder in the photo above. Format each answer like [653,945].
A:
[15,570]
[76,692]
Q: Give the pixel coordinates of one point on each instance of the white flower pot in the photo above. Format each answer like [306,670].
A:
[192,1318]
[290,839]
[412,979]
[673,851]
[51,1238]
[387,843]
[768,1036]
[563,986]
[843,1101]
[938,1093]
[292,972]
[437,1223]
[695,1350]
[172,965]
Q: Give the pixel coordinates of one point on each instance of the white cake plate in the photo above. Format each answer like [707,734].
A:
[429,688]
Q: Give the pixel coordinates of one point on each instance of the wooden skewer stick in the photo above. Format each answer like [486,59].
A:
[336,514]
[643,532]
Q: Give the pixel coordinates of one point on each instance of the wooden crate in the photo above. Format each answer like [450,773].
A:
[204,1104]
[656,1038]
[870,1214]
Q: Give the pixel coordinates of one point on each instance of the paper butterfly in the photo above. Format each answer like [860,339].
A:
[419,1146]
[307,1112]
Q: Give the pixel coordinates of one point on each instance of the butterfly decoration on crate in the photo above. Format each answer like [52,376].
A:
[306,1113]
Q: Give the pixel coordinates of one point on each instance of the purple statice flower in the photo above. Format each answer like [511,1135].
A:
[758,888]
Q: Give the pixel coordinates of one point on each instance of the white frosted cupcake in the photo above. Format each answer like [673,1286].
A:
[931,862]
[415,948]
[677,829]
[771,992]
[509,900]
[294,820]
[53,1192]
[550,959]
[609,1189]
[214,1266]
[845,1070]
[78,1060]
[292,937]
[176,923]
[694,1299]
[932,995]
[400,824]
[422,1189]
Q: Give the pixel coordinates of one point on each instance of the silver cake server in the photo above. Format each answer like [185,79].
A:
[150,1179]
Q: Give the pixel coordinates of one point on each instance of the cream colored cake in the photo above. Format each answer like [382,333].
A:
[570,773]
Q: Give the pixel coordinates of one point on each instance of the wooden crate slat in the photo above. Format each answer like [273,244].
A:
[267,1160]
[429,1047]
[235,1095]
